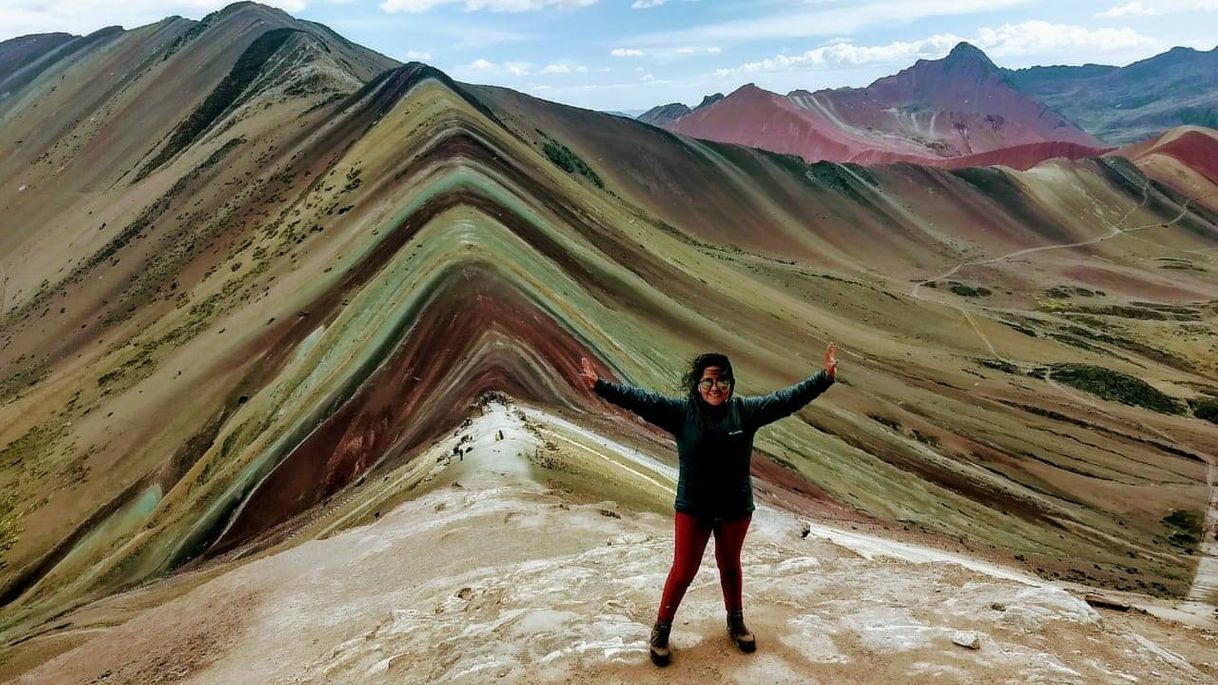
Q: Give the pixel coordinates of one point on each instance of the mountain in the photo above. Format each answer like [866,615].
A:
[944,112]
[1185,157]
[85,117]
[628,113]
[289,339]
[661,115]
[665,114]
[18,52]
[1122,105]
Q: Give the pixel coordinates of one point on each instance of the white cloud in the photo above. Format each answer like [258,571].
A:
[648,4]
[1160,7]
[647,77]
[485,66]
[418,54]
[417,6]
[1129,9]
[563,68]
[1028,38]
[667,54]
[844,53]
[1041,37]
[479,64]
[823,19]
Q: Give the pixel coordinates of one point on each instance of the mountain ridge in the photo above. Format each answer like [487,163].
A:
[1120,105]
[946,112]
[1123,105]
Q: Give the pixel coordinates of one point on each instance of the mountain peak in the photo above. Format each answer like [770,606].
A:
[1178,54]
[747,89]
[967,54]
[661,115]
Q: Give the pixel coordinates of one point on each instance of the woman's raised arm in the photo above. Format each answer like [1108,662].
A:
[666,412]
[758,411]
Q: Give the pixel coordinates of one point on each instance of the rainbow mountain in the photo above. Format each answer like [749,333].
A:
[258,279]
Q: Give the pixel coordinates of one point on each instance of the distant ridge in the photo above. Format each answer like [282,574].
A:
[947,112]
[1121,105]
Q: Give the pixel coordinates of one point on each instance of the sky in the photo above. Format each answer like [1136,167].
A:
[628,55]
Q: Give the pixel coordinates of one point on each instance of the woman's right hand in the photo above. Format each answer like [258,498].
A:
[587,373]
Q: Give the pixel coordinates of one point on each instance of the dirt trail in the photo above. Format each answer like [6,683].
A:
[1203,591]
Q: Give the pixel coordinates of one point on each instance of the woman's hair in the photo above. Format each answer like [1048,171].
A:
[693,376]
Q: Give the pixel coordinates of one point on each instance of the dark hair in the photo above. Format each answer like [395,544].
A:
[693,376]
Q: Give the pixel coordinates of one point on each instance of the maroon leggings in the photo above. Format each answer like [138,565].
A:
[691,538]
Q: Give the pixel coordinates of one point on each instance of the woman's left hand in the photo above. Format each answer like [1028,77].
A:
[830,361]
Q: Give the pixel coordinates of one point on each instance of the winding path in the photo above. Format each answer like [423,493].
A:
[1204,588]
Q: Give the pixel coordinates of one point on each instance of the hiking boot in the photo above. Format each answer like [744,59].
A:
[739,633]
[660,654]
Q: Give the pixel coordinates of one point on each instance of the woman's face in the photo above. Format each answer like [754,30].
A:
[715,389]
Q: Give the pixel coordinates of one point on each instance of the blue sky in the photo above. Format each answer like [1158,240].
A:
[632,54]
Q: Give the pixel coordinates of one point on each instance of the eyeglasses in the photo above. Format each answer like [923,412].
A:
[724,385]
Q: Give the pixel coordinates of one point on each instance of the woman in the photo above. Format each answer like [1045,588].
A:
[714,434]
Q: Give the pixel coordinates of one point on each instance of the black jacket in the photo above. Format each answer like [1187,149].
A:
[714,444]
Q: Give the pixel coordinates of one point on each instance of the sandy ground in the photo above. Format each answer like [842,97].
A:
[493,574]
